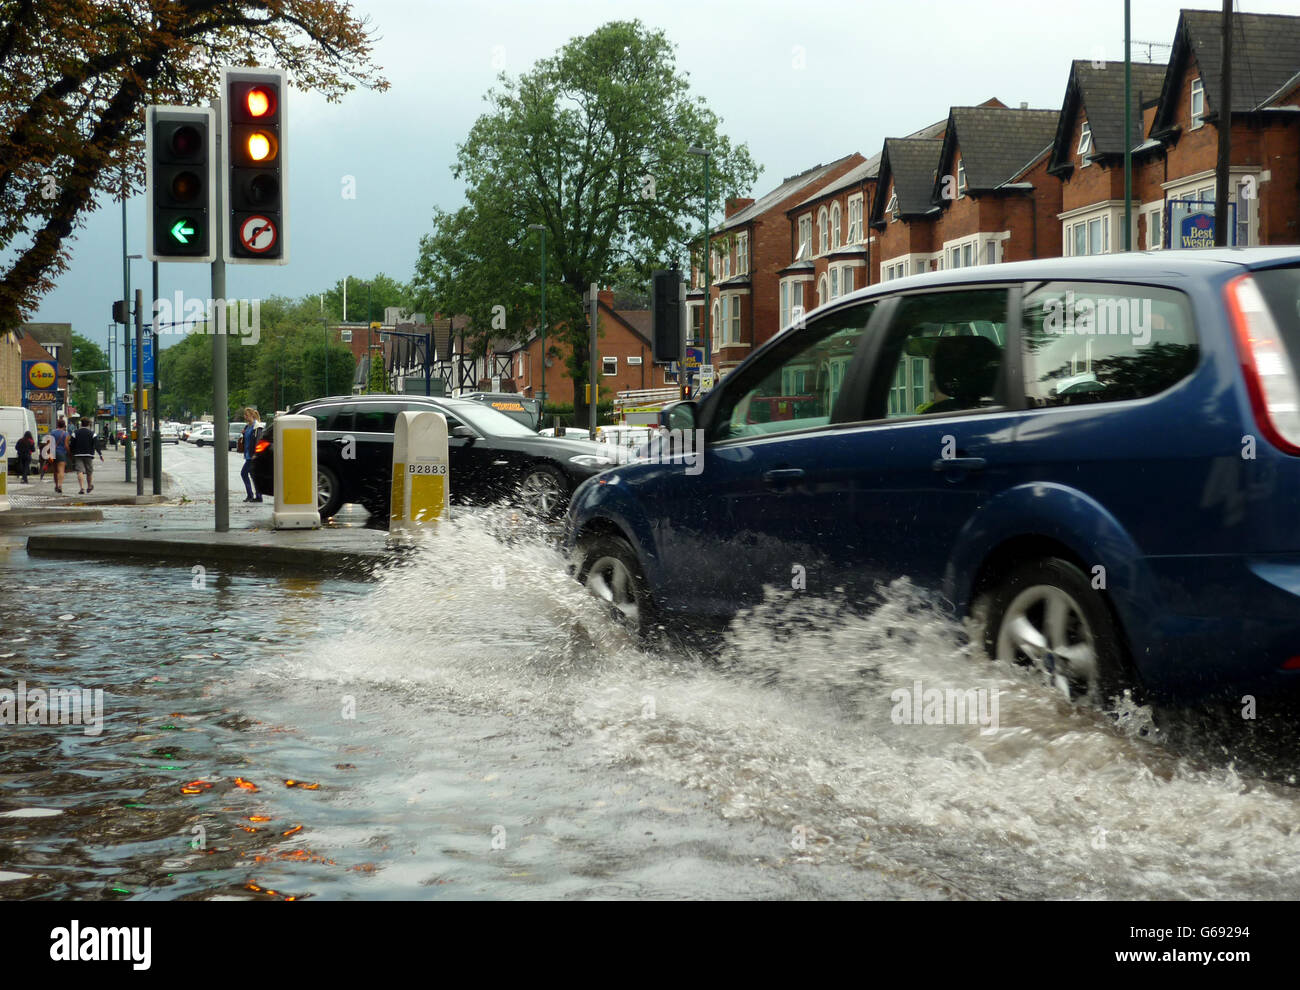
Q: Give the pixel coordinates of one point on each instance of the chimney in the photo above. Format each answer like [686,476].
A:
[1024,105]
[736,205]
[606,297]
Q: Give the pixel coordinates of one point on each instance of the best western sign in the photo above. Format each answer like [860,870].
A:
[1196,231]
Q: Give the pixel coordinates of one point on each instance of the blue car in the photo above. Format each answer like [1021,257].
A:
[1097,457]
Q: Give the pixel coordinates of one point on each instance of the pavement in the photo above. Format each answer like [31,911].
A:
[115,522]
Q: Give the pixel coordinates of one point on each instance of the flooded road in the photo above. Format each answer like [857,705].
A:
[472,725]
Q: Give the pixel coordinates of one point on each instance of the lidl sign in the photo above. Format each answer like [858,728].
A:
[39,374]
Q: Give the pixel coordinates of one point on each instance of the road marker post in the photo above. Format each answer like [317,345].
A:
[4,473]
[421,486]
[294,444]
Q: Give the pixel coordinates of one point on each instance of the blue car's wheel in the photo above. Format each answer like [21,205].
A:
[610,571]
[1047,614]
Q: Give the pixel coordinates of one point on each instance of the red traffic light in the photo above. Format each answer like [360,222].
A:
[259,102]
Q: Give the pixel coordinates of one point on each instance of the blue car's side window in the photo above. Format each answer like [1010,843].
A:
[798,386]
[1102,342]
[945,352]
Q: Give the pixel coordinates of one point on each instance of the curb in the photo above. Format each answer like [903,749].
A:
[15,518]
[353,563]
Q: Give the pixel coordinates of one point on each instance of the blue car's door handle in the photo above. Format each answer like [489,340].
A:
[782,476]
[960,464]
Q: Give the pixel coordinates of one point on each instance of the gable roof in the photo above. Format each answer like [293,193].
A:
[997,143]
[1097,92]
[870,169]
[809,178]
[1265,53]
[910,163]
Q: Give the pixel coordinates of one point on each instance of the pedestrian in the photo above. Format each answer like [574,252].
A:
[247,442]
[83,449]
[60,435]
[26,448]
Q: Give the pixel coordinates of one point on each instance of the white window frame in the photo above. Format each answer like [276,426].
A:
[961,178]
[1198,89]
[822,290]
[742,253]
[805,236]
[823,231]
[606,365]
[1085,142]
[892,206]
[836,230]
[855,219]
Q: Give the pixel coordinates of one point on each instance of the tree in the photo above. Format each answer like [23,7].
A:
[76,74]
[378,378]
[591,143]
[87,356]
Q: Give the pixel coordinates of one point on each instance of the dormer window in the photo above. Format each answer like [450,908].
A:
[1085,141]
[961,178]
[1198,103]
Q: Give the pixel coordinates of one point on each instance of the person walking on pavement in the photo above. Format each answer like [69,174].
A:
[246,443]
[60,435]
[26,448]
[83,449]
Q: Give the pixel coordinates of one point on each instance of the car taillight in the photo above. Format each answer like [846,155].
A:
[1270,377]
[260,446]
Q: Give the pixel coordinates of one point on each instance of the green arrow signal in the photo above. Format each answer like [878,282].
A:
[182,231]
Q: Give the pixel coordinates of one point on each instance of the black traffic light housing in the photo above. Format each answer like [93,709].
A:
[180,183]
[254,192]
[666,315]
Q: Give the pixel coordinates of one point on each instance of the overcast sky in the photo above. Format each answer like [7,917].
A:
[800,84]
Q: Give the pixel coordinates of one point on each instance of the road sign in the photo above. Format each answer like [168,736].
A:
[706,377]
[694,358]
[258,234]
[147,345]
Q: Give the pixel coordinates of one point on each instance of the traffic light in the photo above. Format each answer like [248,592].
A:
[180,187]
[254,187]
[666,315]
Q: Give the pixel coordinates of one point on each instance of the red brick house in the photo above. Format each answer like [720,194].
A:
[903,212]
[996,200]
[624,347]
[1088,153]
[749,251]
[1265,165]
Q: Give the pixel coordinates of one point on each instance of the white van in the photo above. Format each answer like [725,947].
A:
[14,422]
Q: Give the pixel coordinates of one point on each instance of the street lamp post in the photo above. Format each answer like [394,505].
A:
[704,153]
[542,228]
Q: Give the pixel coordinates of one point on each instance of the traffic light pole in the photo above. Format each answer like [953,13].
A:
[220,386]
[126,325]
[139,391]
[594,358]
[153,389]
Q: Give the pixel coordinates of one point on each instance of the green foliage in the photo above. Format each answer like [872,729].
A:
[377,382]
[87,356]
[592,144]
[367,299]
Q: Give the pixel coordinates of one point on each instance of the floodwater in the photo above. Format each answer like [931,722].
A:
[472,725]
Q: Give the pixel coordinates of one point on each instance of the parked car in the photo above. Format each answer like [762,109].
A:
[492,456]
[168,433]
[1098,458]
[203,435]
[517,407]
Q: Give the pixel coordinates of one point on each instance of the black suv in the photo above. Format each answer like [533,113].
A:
[492,456]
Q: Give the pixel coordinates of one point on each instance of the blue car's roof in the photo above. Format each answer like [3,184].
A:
[1155,266]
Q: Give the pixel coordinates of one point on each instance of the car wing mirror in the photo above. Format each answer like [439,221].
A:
[679,415]
[464,432]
